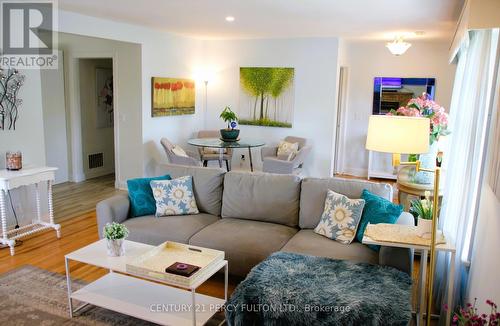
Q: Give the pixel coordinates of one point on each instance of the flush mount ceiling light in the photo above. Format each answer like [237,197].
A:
[230,19]
[398,46]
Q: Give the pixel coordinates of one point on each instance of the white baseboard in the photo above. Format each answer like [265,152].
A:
[122,185]
[358,172]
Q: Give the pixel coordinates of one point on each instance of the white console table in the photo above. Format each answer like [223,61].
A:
[25,177]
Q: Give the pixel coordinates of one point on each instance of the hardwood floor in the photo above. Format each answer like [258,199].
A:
[75,199]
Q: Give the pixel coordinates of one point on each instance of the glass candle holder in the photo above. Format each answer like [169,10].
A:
[14,161]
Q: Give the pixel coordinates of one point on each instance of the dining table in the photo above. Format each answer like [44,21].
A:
[221,145]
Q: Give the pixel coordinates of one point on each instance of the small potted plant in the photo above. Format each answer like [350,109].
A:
[115,234]
[423,210]
[229,117]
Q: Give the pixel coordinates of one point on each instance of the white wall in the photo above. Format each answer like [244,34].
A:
[28,137]
[95,140]
[128,97]
[54,120]
[368,59]
[161,54]
[315,63]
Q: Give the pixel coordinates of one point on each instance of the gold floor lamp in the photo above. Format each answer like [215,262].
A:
[407,135]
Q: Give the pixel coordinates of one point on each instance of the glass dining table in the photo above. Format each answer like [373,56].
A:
[221,145]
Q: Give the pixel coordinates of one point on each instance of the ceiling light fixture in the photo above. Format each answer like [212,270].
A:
[398,46]
[230,19]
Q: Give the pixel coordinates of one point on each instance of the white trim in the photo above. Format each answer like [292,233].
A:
[355,171]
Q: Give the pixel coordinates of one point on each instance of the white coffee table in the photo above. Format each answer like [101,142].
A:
[157,302]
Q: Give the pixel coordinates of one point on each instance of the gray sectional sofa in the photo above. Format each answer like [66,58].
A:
[251,215]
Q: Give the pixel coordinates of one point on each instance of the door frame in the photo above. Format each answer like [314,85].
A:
[74,113]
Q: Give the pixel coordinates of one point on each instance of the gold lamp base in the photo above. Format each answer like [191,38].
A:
[396,160]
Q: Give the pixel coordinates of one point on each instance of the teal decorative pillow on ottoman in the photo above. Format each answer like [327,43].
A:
[377,210]
[141,197]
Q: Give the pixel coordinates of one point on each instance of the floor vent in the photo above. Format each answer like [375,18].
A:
[96,160]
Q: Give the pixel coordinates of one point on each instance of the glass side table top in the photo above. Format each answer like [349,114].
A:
[217,143]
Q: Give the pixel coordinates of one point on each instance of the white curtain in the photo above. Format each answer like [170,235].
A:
[494,173]
[471,102]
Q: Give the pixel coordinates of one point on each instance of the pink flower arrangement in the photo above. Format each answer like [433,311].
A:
[469,316]
[422,106]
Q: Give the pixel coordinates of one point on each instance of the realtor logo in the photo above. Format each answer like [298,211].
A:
[28,34]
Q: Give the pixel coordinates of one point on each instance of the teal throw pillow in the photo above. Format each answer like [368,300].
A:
[340,217]
[377,210]
[141,197]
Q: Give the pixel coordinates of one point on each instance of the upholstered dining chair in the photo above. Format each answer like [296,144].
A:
[274,164]
[212,154]
[191,158]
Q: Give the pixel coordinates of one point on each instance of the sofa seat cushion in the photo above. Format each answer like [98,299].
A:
[156,230]
[245,242]
[310,243]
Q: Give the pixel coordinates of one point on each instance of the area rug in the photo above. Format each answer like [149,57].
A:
[33,296]
[292,289]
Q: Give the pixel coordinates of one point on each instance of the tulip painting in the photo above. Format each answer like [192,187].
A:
[172,96]
[266,96]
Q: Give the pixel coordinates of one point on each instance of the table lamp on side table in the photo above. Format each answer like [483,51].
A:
[407,135]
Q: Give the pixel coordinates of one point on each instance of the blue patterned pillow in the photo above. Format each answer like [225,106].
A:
[141,197]
[174,197]
[340,217]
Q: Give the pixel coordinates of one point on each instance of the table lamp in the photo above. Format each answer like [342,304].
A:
[407,135]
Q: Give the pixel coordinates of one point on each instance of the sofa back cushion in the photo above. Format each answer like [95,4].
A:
[262,197]
[207,184]
[314,190]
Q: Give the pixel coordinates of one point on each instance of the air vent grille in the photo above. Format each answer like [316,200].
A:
[96,160]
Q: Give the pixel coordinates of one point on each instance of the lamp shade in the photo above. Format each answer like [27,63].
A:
[398,134]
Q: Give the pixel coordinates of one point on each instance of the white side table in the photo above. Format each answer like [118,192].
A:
[25,177]
[446,247]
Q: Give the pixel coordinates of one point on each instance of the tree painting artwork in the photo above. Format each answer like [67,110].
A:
[172,96]
[266,96]
[10,84]
[104,87]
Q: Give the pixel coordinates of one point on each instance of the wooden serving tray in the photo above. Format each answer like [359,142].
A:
[153,263]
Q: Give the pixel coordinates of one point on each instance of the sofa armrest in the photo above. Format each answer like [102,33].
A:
[400,258]
[268,151]
[274,165]
[114,209]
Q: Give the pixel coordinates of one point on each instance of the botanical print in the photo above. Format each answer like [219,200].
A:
[266,96]
[340,218]
[172,96]
[174,197]
[104,87]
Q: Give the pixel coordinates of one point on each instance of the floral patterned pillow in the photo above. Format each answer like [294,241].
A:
[174,197]
[340,217]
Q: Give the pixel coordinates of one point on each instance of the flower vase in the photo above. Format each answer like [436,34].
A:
[427,161]
[424,228]
[116,248]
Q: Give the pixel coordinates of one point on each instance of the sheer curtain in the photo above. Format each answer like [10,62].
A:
[471,101]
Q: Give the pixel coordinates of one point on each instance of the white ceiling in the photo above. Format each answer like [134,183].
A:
[366,19]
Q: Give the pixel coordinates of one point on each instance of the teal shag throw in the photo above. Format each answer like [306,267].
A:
[291,289]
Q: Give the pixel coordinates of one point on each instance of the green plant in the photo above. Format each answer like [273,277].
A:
[228,116]
[422,208]
[115,231]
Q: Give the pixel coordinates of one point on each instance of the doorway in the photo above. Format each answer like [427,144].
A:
[97,116]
